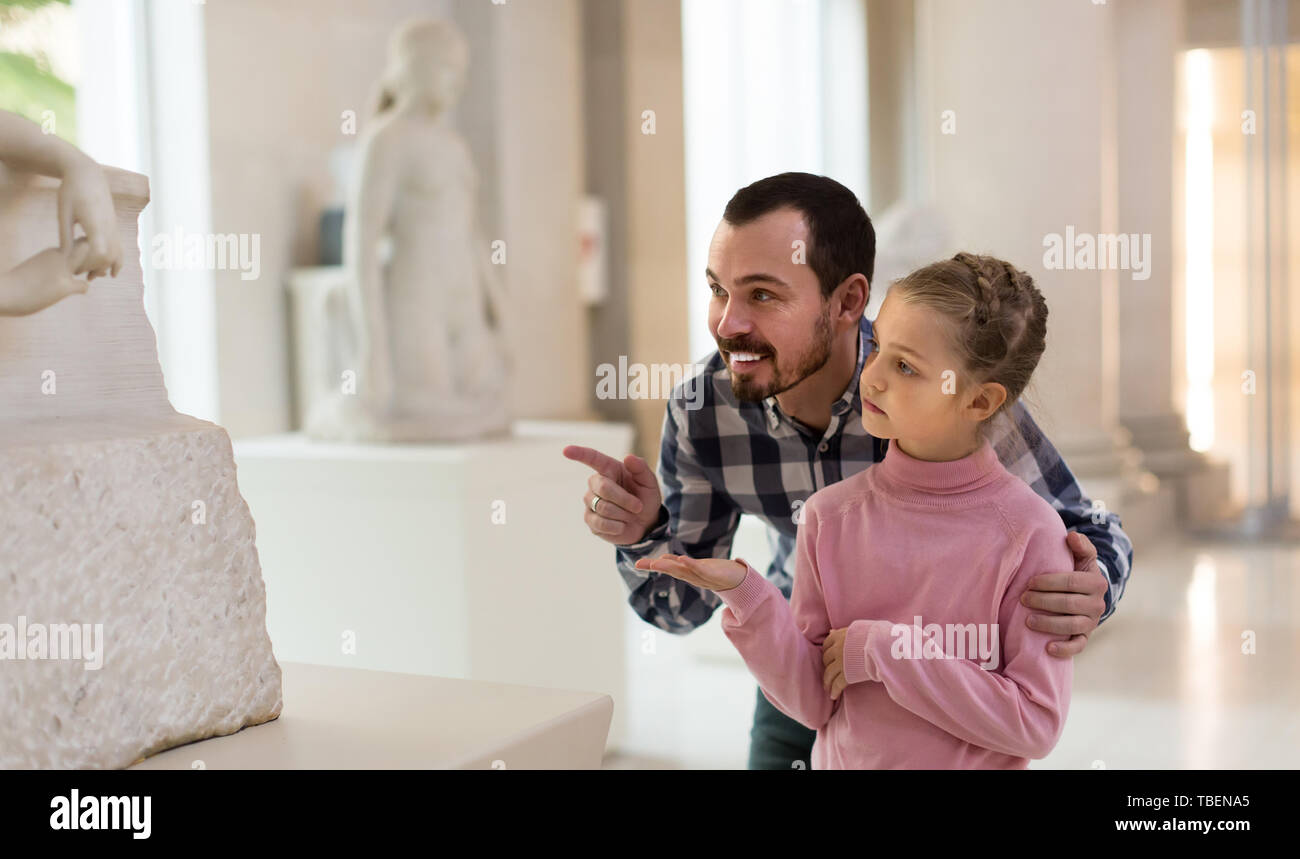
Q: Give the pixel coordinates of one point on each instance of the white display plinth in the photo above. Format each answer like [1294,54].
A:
[452,560]
[339,718]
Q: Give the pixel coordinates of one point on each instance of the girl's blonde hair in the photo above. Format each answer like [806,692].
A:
[996,319]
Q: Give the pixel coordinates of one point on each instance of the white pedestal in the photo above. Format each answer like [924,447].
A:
[457,560]
[339,718]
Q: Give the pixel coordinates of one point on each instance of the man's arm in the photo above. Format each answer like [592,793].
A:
[1028,454]
[696,519]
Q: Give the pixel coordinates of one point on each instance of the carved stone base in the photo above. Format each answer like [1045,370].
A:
[144,534]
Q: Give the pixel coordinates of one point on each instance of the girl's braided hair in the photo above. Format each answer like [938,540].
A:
[997,318]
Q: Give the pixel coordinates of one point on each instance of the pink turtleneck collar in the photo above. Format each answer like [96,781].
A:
[958,481]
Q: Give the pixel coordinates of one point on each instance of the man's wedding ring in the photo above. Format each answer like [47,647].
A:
[595,499]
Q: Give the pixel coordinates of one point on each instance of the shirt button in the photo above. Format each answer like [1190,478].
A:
[824,446]
[663,593]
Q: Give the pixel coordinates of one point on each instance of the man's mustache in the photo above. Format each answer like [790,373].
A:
[752,350]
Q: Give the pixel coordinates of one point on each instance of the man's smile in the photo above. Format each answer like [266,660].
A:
[743,362]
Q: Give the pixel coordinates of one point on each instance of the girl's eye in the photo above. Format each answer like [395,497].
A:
[907,371]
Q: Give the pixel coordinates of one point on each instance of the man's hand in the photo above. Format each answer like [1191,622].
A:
[626,495]
[833,658]
[1077,597]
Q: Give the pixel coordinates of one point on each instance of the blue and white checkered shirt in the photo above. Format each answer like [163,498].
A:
[720,457]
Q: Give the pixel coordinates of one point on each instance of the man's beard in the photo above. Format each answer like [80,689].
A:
[748,389]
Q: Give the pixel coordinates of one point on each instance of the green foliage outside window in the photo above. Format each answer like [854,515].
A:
[27,85]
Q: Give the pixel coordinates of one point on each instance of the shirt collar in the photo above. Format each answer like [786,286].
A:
[852,396]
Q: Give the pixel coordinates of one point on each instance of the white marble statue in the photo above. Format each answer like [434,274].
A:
[84,199]
[908,236]
[132,605]
[431,359]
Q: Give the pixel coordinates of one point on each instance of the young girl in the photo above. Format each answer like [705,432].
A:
[904,643]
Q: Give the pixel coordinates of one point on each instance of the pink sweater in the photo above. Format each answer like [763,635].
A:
[950,543]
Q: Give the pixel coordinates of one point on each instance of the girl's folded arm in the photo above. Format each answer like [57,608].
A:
[1018,710]
[781,641]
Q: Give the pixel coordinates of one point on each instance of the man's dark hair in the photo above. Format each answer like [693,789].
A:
[842,241]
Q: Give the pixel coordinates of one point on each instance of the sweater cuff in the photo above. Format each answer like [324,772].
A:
[859,665]
[745,597]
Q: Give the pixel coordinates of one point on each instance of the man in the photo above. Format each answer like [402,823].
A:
[777,414]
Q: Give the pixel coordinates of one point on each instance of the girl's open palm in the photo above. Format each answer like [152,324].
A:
[715,574]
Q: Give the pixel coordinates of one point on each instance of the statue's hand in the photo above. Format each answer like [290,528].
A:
[42,280]
[84,198]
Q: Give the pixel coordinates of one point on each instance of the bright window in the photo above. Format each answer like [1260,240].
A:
[761,98]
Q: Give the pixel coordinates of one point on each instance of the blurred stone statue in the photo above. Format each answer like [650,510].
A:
[427,312]
[908,236]
[84,200]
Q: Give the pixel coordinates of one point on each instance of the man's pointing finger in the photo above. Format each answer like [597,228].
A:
[595,460]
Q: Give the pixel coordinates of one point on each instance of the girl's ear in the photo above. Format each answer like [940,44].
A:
[986,399]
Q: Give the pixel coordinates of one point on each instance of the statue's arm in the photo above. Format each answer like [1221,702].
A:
[25,148]
[373,196]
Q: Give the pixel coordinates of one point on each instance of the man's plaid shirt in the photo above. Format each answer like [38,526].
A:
[721,457]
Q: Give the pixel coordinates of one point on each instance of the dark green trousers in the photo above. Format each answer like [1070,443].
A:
[776,741]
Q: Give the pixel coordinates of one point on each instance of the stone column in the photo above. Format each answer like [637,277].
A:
[891,94]
[539,153]
[1149,35]
[656,185]
[1018,115]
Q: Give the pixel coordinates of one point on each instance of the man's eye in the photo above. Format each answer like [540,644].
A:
[761,292]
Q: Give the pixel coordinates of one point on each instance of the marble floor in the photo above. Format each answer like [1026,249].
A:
[1165,683]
